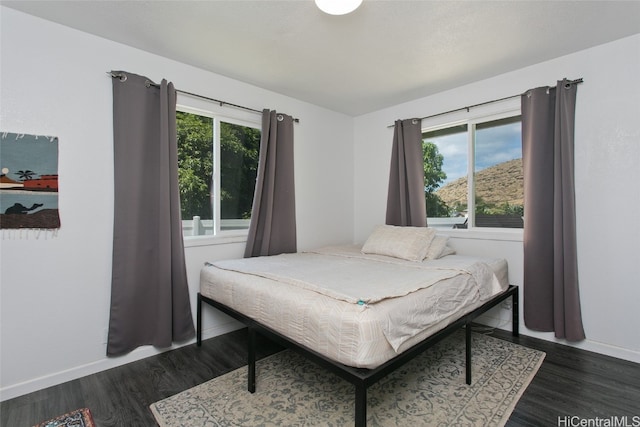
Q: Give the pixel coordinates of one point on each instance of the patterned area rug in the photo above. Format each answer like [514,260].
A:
[78,418]
[428,391]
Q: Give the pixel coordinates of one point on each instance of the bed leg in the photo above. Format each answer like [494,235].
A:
[251,366]
[199,321]
[515,313]
[361,405]
[468,352]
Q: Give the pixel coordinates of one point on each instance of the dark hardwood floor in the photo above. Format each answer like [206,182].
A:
[570,383]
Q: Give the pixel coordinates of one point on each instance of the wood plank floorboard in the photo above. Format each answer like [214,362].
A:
[570,383]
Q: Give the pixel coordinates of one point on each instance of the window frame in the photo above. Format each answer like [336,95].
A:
[195,105]
[492,112]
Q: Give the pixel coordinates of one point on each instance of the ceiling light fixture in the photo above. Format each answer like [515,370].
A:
[338,7]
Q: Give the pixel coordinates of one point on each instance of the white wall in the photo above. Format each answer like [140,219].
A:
[55,292]
[607,172]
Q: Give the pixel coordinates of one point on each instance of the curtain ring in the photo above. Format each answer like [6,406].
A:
[280,117]
[567,85]
[148,83]
[120,76]
[414,121]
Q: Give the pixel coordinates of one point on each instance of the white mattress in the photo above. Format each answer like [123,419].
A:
[337,322]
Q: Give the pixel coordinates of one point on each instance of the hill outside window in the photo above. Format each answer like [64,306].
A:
[473,173]
[217,166]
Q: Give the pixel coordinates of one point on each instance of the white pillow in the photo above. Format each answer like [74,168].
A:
[410,243]
[437,246]
[447,251]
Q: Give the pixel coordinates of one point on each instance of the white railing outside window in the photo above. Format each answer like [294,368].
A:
[205,227]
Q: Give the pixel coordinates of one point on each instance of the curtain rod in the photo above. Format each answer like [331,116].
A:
[569,83]
[122,77]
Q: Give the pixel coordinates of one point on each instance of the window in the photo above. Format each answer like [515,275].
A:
[473,173]
[217,167]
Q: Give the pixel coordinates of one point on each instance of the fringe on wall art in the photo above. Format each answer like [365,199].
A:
[29,233]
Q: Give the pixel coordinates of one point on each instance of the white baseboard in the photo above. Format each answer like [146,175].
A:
[16,390]
[589,345]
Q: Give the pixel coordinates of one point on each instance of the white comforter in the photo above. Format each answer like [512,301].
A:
[348,276]
[371,283]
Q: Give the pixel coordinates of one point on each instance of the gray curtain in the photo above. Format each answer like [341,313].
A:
[406,204]
[272,229]
[551,296]
[149,292]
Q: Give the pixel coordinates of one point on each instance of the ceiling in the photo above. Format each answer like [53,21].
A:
[383,54]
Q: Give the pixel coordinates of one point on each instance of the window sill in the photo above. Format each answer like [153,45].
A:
[485,233]
[193,241]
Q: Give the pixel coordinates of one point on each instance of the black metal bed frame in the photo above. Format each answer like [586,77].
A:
[360,377]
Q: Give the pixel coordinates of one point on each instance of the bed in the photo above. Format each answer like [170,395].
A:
[361,311]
